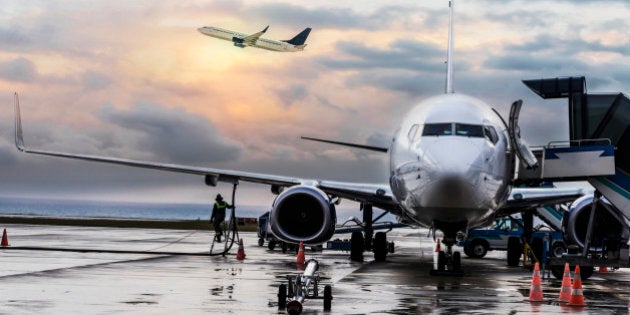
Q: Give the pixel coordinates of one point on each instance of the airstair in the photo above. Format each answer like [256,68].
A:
[599,145]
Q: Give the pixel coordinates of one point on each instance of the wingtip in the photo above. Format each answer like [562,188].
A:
[19,139]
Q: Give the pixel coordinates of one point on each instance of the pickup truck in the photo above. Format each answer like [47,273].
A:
[479,241]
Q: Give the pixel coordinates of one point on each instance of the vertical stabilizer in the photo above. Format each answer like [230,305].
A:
[449,52]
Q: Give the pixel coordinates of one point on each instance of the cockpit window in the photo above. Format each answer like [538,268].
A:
[469,130]
[491,134]
[437,130]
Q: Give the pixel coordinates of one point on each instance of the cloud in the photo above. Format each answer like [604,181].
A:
[174,134]
[95,80]
[18,70]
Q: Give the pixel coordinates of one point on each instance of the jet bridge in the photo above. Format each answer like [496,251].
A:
[599,145]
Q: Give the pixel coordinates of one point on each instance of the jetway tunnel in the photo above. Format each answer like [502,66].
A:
[597,119]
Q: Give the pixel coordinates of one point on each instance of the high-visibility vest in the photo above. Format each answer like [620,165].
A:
[220,205]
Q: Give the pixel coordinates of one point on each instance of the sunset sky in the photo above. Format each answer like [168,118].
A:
[134,79]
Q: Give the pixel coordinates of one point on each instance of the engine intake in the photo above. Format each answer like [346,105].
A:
[608,228]
[303,214]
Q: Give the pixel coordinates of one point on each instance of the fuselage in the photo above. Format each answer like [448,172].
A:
[450,165]
[237,39]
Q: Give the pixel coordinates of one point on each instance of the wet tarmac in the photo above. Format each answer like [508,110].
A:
[115,270]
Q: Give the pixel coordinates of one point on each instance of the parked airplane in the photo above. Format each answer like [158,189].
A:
[296,43]
[452,165]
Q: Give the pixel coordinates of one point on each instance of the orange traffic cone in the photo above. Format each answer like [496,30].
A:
[300,256]
[437,247]
[603,269]
[565,289]
[535,290]
[577,298]
[5,239]
[240,255]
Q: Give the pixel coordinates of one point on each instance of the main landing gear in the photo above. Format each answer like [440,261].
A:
[447,263]
[363,241]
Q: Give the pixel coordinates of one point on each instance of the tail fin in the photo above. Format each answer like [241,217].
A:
[449,54]
[299,39]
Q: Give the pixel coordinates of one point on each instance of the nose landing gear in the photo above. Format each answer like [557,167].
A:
[449,263]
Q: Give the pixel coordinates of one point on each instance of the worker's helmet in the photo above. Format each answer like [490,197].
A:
[219,197]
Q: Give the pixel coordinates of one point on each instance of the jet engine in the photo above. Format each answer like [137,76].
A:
[609,228]
[303,214]
[238,42]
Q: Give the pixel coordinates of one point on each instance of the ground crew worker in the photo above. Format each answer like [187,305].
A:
[218,216]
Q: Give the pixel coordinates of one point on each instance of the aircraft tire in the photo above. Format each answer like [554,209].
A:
[514,251]
[357,246]
[271,245]
[327,298]
[380,246]
[261,242]
[441,261]
[282,296]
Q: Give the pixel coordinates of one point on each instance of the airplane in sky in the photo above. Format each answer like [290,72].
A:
[296,43]
[452,164]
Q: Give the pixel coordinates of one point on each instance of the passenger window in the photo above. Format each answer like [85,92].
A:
[469,130]
[437,130]
[412,132]
[491,134]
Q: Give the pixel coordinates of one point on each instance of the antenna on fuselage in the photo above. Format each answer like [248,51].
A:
[449,51]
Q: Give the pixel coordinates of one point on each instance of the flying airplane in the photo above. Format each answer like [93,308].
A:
[296,43]
[452,164]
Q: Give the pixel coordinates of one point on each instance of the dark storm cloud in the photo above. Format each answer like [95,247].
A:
[19,70]
[174,134]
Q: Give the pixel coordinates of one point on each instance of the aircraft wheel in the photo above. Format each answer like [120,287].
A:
[357,246]
[284,247]
[282,296]
[261,242]
[457,261]
[380,246]
[514,251]
[271,245]
[327,298]
[441,261]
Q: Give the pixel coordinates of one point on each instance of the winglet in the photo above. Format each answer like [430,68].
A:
[265,29]
[19,140]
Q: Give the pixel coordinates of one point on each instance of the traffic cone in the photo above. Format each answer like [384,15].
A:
[5,239]
[535,290]
[300,256]
[577,298]
[240,255]
[603,269]
[437,247]
[565,289]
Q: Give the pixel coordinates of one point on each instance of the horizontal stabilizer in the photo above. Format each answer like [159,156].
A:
[353,145]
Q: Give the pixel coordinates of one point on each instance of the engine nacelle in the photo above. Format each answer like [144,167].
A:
[238,42]
[608,227]
[303,214]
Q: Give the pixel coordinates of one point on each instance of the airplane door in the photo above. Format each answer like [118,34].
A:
[522,150]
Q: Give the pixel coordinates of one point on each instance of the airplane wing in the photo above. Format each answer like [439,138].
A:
[378,195]
[251,39]
[523,198]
